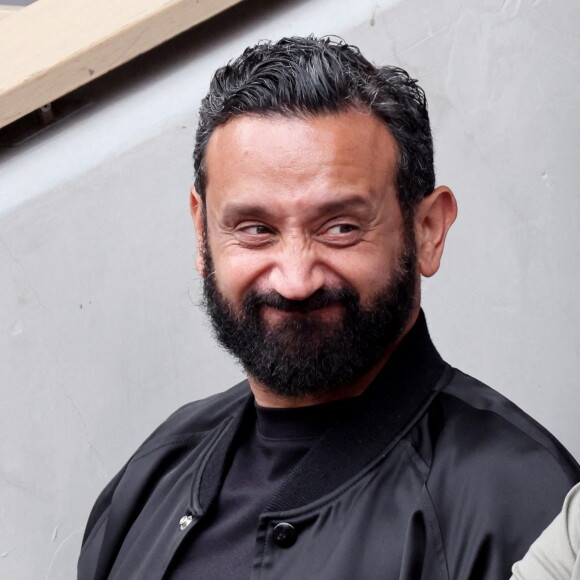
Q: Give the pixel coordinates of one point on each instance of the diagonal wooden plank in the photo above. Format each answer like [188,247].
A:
[54,46]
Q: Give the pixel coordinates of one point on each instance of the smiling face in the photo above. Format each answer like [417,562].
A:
[294,205]
[297,208]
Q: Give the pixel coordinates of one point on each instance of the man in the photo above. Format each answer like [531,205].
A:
[352,451]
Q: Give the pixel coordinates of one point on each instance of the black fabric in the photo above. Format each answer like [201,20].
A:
[269,445]
[456,487]
[401,388]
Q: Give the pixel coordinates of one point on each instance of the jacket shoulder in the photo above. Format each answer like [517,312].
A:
[496,477]
[180,432]
[197,417]
[501,427]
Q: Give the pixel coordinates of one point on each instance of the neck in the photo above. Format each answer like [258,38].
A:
[265,397]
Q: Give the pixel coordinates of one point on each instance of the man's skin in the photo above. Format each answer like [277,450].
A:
[295,204]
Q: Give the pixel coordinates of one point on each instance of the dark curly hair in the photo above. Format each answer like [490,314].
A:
[317,76]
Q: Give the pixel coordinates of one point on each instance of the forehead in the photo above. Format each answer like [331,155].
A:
[288,158]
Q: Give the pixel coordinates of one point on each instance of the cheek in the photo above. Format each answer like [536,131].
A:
[365,275]
[366,271]
[236,274]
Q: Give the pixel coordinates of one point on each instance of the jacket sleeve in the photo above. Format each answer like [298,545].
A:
[95,531]
[494,488]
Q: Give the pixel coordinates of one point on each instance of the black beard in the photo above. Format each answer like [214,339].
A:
[305,356]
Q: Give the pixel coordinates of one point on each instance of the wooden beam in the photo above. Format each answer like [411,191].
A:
[54,46]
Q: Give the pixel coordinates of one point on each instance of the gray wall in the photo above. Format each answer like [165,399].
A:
[100,335]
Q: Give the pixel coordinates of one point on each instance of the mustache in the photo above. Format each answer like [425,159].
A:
[322,298]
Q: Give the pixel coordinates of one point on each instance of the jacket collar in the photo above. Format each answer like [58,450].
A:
[379,418]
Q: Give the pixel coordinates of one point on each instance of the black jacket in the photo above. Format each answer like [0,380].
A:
[432,476]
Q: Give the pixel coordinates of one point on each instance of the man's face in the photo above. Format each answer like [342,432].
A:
[309,273]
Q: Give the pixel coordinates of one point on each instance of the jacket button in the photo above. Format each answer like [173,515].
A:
[284,535]
[185,521]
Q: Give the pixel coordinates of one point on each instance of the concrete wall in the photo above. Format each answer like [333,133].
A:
[100,335]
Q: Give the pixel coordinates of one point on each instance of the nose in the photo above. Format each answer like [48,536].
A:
[297,274]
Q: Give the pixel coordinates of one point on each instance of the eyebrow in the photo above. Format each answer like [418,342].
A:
[237,210]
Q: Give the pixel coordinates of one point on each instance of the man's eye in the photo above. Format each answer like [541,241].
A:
[256,230]
[254,235]
[341,234]
[339,229]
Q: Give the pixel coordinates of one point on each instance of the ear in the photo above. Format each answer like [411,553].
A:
[196,208]
[433,218]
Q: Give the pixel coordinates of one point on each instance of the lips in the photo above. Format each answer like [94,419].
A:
[321,299]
